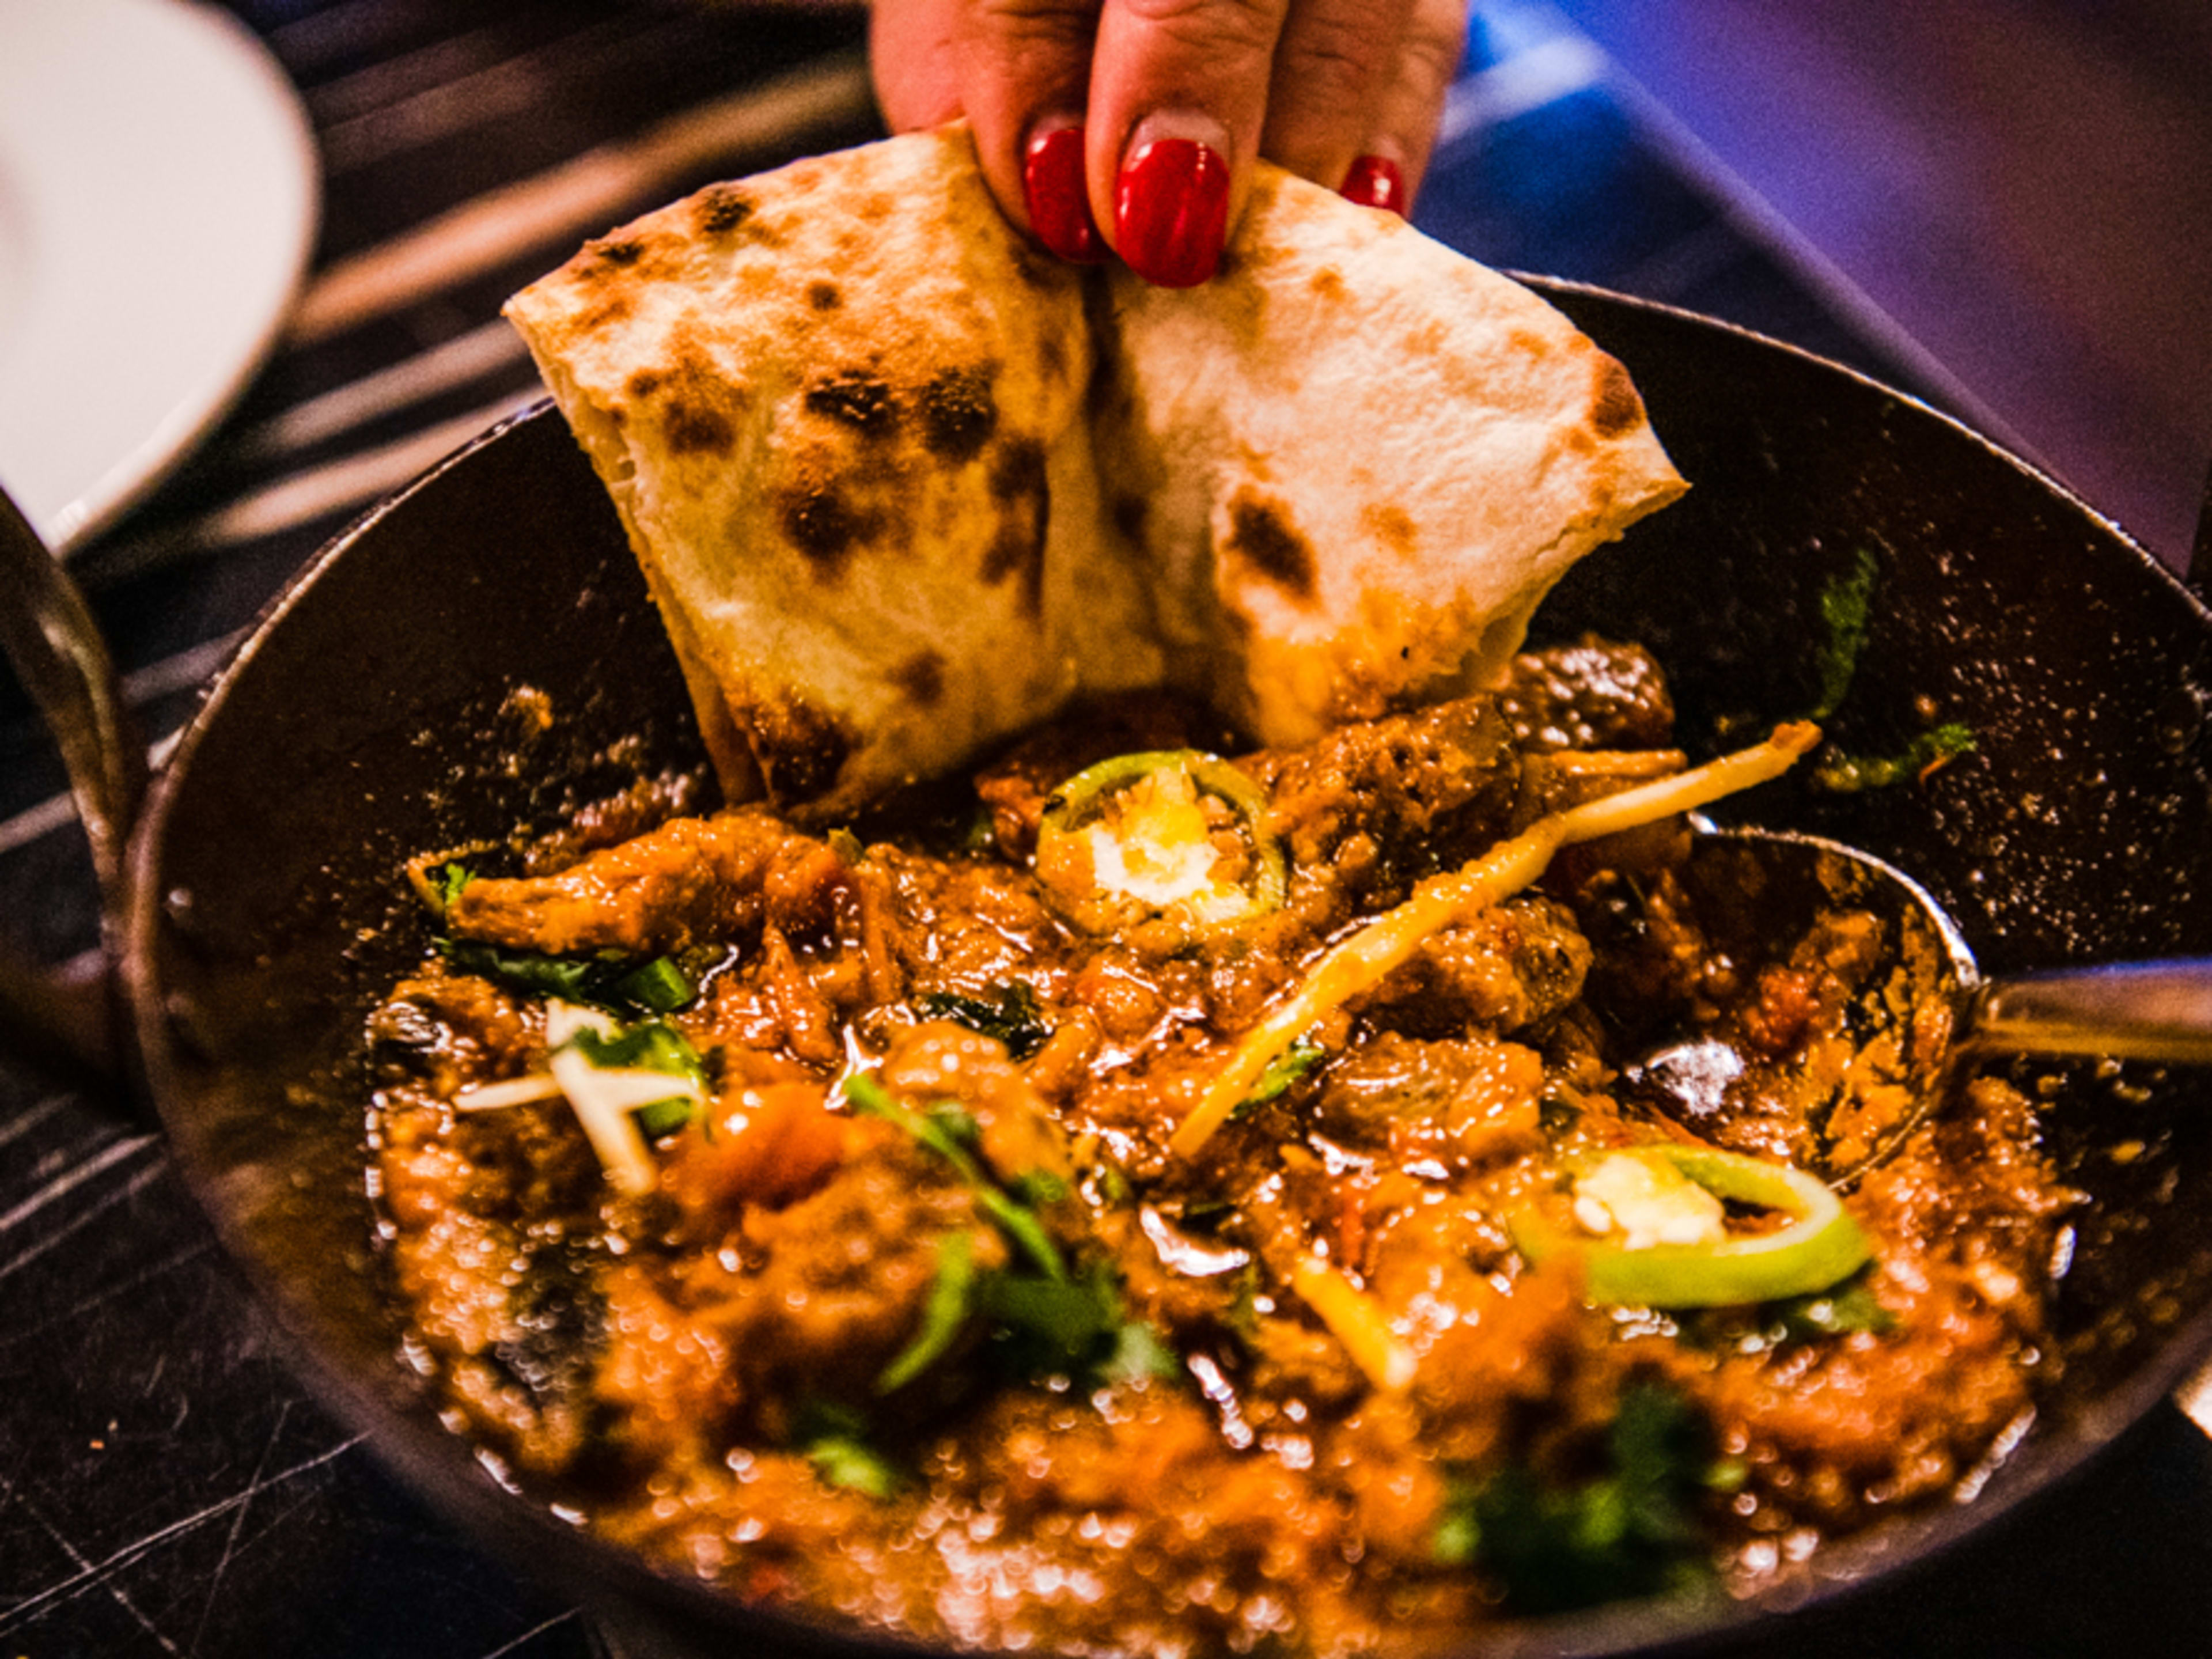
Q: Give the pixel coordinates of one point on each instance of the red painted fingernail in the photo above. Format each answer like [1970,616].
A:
[1375,181]
[1172,211]
[1059,207]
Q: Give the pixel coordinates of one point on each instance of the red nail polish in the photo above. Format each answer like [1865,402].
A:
[1172,211]
[1059,207]
[1375,181]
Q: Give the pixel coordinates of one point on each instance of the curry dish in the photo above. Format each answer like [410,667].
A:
[860,1220]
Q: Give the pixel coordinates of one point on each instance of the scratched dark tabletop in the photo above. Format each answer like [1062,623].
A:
[166,1487]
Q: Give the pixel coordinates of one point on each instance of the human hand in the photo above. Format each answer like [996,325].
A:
[1131,125]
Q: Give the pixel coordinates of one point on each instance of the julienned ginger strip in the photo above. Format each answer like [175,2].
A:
[1355,1320]
[1368,957]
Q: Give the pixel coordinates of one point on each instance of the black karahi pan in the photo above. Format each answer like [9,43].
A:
[392,701]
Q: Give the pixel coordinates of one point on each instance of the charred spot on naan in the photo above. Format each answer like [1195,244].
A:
[959,412]
[822,522]
[607,254]
[856,398]
[1262,538]
[1020,487]
[921,677]
[626,263]
[1393,526]
[1130,513]
[1615,406]
[699,409]
[701,426]
[799,748]
[721,210]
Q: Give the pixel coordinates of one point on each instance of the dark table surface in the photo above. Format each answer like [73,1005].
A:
[166,1487]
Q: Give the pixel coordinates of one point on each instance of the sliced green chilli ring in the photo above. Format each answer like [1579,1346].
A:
[1138,811]
[1821,1246]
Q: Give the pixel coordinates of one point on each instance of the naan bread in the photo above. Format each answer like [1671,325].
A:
[1362,458]
[902,487]
[841,411]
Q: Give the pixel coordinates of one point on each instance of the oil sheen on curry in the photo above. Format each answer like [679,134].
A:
[1155,1196]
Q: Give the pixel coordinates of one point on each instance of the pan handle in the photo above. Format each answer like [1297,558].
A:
[54,643]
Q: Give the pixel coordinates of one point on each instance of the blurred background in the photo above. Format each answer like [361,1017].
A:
[2024,186]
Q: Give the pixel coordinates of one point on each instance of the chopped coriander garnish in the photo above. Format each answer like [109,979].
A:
[603,980]
[650,1047]
[451,878]
[1850,1307]
[1629,1529]
[833,1438]
[1844,775]
[1042,1318]
[1021,1226]
[1846,607]
[1283,1071]
[660,987]
[952,1300]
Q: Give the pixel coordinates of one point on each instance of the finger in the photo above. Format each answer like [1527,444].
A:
[914,53]
[1409,106]
[1331,65]
[1178,98]
[1025,76]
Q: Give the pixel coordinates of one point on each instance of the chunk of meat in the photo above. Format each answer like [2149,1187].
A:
[1378,805]
[692,881]
[1503,969]
[1590,695]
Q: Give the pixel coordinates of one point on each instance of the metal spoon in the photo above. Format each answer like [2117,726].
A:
[1921,1013]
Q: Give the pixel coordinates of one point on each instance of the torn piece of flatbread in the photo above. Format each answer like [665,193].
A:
[902,486]
[841,409]
[1362,459]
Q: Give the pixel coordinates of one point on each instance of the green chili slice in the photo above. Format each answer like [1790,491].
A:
[1820,1246]
[1173,833]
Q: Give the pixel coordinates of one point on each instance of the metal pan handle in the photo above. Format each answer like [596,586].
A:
[54,643]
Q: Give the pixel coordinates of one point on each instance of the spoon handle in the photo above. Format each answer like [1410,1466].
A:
[2131,1010]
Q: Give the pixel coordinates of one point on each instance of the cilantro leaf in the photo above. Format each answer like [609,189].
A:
[1839,1312]
[1630,1529]
[1285,1070]
[608,980]
[649,1046]
[1846,606]
[950,1302]
[944,1135]
[833,1438]
[1844,775]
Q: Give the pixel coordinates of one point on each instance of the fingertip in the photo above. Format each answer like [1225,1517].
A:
[1056,194]
[1171,198]
[1375,181]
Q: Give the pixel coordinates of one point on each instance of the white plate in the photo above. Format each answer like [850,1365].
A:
[158,197]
